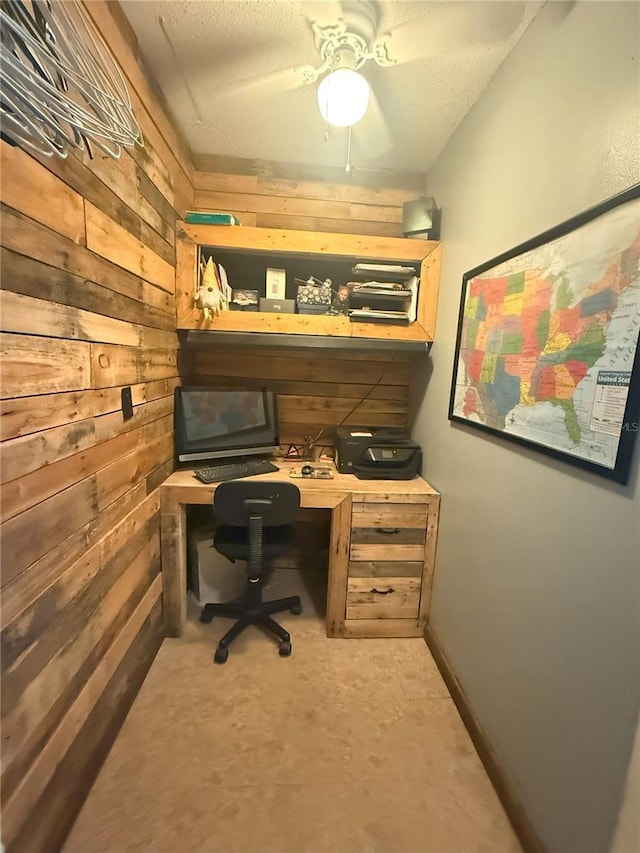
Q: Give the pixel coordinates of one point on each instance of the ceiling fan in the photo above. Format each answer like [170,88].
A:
[350,34]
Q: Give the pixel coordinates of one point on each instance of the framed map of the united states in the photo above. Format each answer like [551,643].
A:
[547,351]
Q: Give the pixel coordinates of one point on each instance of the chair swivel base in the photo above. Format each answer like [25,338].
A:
[258,614]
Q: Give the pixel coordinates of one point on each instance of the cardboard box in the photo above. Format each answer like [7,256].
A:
[276,283]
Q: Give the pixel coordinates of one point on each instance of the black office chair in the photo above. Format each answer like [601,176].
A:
[254,521]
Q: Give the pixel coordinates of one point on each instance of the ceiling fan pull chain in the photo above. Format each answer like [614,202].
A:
[348,166]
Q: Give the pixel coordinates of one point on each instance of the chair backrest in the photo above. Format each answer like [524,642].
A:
[277,503]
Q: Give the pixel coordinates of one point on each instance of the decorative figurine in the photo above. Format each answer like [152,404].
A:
[209,296]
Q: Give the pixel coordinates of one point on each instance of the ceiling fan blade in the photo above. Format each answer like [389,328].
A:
[270,85]
[447,28]
[372,133]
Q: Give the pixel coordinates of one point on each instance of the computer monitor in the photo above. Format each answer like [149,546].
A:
[214,424]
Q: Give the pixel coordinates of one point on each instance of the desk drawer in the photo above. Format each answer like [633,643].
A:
[388,531]
[389,515]
[383,598]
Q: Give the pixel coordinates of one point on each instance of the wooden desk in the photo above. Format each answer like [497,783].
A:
[381,554]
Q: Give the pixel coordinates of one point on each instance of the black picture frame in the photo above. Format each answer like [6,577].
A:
[547,349]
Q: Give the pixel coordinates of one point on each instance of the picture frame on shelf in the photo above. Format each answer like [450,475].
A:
[547,350]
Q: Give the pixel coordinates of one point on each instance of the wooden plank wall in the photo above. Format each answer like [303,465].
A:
[316,389]
[280,195]
[88,286]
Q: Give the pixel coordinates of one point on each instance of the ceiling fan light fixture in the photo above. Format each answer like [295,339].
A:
[343,97]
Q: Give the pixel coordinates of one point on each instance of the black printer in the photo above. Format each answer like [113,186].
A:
[377,453]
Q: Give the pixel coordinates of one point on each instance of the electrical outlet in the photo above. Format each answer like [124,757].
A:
[127,403]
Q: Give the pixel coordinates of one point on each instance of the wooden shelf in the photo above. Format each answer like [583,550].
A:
[274,244]
[200,337]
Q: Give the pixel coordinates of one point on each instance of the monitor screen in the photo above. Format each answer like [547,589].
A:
[213,424]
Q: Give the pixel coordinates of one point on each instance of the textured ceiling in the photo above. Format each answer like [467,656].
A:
[202,51]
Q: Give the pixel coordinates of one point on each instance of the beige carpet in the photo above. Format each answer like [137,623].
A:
[348,746]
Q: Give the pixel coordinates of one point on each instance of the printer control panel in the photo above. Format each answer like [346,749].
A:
[389,454]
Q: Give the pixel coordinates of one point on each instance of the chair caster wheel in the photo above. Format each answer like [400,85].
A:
[221,655]
[285,649]
[206,616]
[296,609]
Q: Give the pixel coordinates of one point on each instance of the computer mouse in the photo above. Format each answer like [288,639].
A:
[306,470]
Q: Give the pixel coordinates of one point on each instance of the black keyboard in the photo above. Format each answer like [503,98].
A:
[234,470]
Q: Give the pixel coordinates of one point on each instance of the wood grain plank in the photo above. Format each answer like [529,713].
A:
[29,489]
[25,183]
[115,480]
[325,224]
[25,797]
[105,182]
[384,568]
[27,586]
[23,455]
[289,240]
[304,369]
[78,765]
[134,212]
[187,280]
[380,178]
[26,629]
[398,393]
[115,365]
[429,559]
[299,206]
[38,467]
[247,321]
[173,526]
[411,553]
[55,519]
[338,567]
[430,278]
[158,338]
[30,316]
[393,536]
[297,188]
[33,646]
[32,278]
[110,240]
[156,476]
[43,703]
[26,237]
[151,194]
[25,415]
[69,784]
[386,598]
[384,515]
[37,365]
[382,628]
[159,299]
[310,408]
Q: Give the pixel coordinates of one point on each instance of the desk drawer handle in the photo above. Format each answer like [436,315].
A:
[389,531]
[383,591]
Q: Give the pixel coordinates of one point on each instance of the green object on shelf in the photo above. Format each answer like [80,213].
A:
[196,217]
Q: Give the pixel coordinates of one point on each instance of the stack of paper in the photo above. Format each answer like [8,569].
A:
[384,302]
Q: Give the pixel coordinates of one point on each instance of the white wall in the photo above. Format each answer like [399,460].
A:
[536,594]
